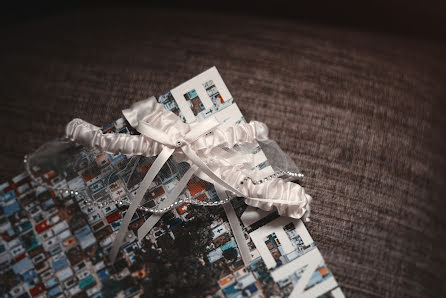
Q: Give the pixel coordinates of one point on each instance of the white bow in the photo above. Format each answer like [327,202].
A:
[170,144]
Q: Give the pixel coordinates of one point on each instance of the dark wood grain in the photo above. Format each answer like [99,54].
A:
[362,114]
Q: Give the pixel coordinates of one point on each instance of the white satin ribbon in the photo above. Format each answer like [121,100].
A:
[170,145]
[235,227]
[136,201]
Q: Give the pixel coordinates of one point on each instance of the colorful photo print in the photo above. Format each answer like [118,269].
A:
[170,104]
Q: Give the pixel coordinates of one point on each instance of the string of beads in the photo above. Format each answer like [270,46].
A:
[120,202]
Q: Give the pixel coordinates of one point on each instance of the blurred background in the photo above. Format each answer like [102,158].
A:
[422,19]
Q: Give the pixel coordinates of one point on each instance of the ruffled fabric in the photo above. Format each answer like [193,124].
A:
[237,134]
[91,136]
[163,120]
[154,114]
[288,198]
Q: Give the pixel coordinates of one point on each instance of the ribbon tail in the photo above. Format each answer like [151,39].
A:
[172,197]
[135,203]
[235,227]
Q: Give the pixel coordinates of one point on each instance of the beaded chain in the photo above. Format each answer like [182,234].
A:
[272,176]
[87,201]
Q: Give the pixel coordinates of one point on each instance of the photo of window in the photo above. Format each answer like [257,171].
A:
[194,101]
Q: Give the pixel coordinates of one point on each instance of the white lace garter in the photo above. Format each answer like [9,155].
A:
[201,144]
